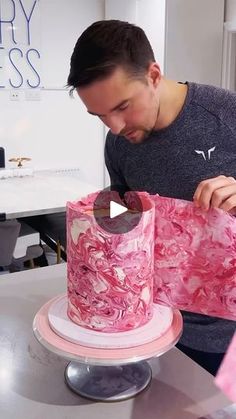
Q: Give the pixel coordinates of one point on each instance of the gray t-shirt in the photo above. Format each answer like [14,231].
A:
[199,144]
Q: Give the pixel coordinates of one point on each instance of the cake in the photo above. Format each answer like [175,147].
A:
[110,276]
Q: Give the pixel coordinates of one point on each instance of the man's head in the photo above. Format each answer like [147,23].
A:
[114,72]
[106,45]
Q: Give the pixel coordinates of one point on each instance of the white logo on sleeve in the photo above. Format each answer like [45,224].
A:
[201,152]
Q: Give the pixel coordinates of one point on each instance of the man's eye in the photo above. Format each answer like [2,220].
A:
[121,108]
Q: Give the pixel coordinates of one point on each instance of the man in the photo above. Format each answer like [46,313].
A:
[174,139]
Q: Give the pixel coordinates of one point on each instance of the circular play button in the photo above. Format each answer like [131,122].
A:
[117,212]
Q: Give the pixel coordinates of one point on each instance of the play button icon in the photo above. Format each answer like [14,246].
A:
[117,212]
[116,209]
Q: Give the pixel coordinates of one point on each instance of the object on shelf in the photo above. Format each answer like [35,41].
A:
[2,157]
[19,160]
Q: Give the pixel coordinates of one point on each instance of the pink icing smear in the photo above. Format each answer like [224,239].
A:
[110,276]
[226,376]
[195,258]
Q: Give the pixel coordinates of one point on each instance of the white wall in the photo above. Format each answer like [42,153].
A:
[121,10]
[194,38]
[230,10]
[229,46]
[151,17]
[54,131]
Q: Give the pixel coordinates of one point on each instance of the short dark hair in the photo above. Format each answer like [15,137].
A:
[106,45]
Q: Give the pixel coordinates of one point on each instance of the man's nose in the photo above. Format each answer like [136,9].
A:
[115,123]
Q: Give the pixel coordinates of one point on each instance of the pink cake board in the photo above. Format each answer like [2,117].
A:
[104,356]
[67,329]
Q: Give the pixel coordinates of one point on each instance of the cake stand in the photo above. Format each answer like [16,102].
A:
[116,370]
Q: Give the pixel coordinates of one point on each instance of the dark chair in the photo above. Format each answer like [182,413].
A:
[52,229]
[18,243]
[9,231]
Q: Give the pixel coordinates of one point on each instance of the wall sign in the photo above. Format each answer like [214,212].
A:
[20,44]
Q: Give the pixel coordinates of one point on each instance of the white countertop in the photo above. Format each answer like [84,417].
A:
[32,378]
[42,193]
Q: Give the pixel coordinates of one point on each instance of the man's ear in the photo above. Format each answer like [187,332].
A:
[154,74]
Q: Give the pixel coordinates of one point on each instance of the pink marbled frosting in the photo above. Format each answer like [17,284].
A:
[110,276]
[195,258]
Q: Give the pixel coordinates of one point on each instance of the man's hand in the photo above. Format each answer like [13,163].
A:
[218,192]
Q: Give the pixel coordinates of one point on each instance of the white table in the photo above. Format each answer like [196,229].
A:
[42,193]
[32,378]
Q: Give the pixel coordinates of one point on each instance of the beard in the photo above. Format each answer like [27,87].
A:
[137,136]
